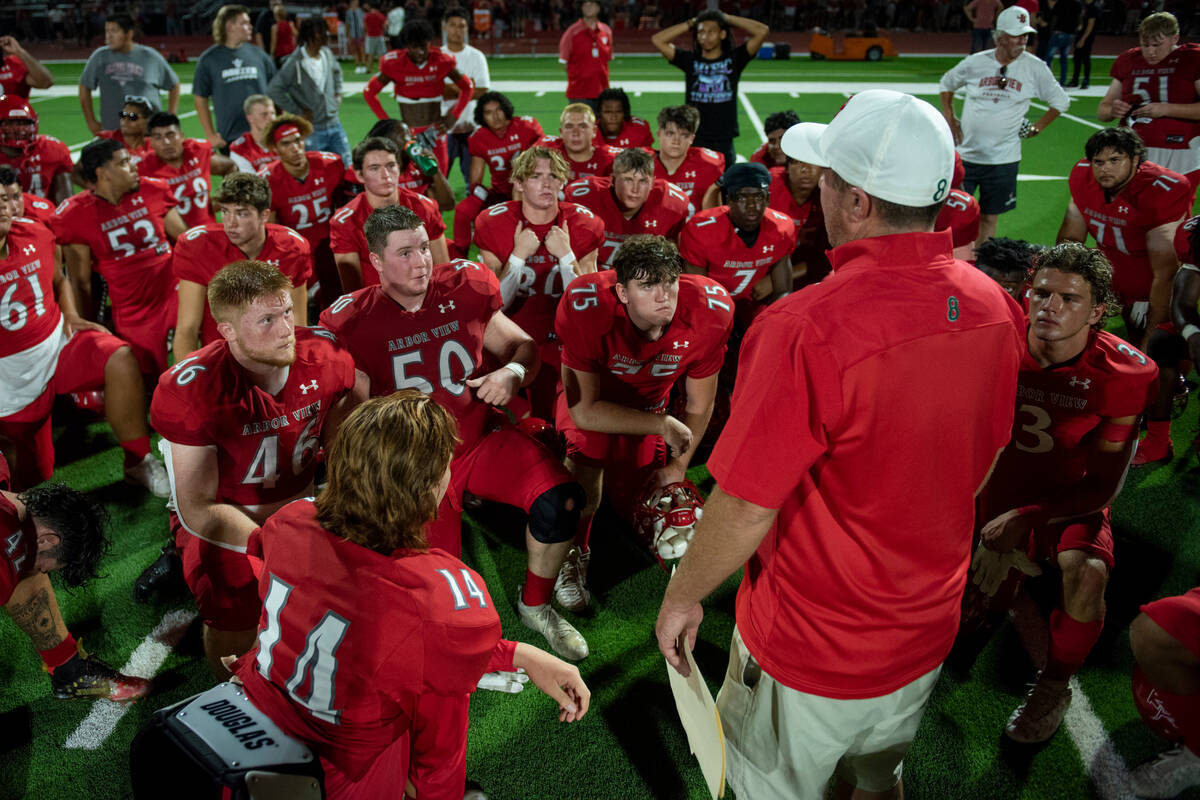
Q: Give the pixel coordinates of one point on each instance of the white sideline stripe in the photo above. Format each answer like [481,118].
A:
[144,662]
[752,114]
[1106,768]
[75,148]
[1072,117]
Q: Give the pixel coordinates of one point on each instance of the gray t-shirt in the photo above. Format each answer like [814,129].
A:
[228,76]
[141,72]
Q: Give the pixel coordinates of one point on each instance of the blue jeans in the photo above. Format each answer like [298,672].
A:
[331,140]
[981,39]
[1060,42]
[456,147]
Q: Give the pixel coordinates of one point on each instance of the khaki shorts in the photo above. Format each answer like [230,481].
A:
[783,743]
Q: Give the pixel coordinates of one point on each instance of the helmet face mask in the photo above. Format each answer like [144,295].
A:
[18,123]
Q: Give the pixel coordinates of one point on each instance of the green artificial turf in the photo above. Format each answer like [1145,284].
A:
[630,745]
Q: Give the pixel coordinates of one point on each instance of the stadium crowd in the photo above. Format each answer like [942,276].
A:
[640,300]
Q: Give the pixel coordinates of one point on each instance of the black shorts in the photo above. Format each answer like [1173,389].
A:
[997,185]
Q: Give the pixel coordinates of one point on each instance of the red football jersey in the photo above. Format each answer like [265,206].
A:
[12,77]
[710,241]
[598,337]
[135,154]
[762,156]
[1058,412]
[306,206]
[961,215]
[202,252]
[414,82]
[664,212]
[1183,243]
[247,147]
[700,169]
[433,349]
[18,542]
[541,282]
[346,227]
[351,639]
[38,209]
[1172,80]
[28,308]
[600,162]
[413,179]
[634,133]
[1154,196]
[37,169]
[129,246]
[189,181]
[811,238]
[266,444]
[499,151]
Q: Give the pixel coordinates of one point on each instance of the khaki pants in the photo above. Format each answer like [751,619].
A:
[782,743]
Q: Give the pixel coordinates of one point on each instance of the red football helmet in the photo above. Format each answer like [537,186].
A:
[667,517]
[18,123]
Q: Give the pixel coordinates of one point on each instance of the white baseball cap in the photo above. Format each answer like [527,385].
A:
[889,144]
[1014,21]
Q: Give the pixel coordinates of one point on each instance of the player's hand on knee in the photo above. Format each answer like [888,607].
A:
[677,436]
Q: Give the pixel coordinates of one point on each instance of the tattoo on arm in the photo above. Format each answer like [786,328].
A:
[35,619]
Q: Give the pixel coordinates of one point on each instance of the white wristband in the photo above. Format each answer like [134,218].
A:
[516,262]
[1189,331]
[517,370]
[567,261]
[511,281]
[566,268]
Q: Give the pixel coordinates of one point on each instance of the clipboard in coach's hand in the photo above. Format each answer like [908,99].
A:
[701,721]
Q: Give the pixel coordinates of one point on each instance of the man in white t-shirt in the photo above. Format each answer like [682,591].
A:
[473,64]
[395,22]
[1000,84]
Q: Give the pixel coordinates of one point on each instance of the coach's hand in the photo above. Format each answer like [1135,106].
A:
[676,629]
[497,387]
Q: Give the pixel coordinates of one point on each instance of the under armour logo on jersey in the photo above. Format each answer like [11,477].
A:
[193,161]
[274,262]
[1122,209]
[305,387]
[690,174]
[28,249]
[769,248]
[651,223]
[318,181]
[684,343]
[138,200]
[446,307]
[1083,383]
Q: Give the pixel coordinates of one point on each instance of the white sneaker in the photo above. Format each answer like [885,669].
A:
[151,474]
[360,70]
[562,636]
[570,589]
[1042,712]
[1168,775]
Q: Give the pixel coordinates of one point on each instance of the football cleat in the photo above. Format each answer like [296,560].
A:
[88,676]
[1167,775]
[1152,450]
[667,517]
[570,589]
[1040,715]
[164,576]
[18,123]
[151,474]
[562,636]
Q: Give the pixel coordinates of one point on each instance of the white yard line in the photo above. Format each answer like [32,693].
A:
[1072,117]
[75,148]
[752,114]
[144,662]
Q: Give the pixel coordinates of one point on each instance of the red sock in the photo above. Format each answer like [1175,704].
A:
[1070,643]
[136,450]
[59,654]
[1171,716]
[1159,429]
[583,531]
[538,590]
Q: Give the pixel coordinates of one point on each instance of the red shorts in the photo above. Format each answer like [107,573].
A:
[147,335]
[80,367]
[505,466]
[221,580]
[1091,534]
[1180,617]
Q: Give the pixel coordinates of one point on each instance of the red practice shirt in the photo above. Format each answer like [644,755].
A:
[202,252]
[586,52]
[1172,80]
[414,82]
[541,280]
[129,247]
[664,212]
[1154,196]
[634,133]
[499,150]
[37,169]
[374,23]
[599,338]
[869,426]
[710,241]
[959,215]
[267,445]
[346,227]
[306,205]
[700,169]
[600,162]
[189,181]
[434,349]
[1059,410]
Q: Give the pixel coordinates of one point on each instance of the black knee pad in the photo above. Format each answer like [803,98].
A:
[550,521]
